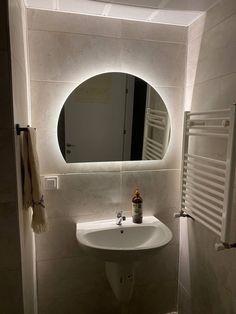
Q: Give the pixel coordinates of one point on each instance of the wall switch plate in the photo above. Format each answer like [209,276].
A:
[51,183]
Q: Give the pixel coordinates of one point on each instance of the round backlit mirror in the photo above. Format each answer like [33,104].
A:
[113,117]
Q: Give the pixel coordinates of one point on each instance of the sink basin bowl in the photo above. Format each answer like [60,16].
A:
[106,240]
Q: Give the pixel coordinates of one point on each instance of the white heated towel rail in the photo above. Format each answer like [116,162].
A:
[207,183]
[154,148]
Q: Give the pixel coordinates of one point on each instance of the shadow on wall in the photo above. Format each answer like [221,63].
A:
[204,285]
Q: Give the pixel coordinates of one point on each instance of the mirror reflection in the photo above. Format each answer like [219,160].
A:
[113,117]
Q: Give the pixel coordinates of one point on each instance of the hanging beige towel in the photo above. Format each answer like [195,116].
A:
[32,192]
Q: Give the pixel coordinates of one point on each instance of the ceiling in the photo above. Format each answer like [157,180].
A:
[174,12]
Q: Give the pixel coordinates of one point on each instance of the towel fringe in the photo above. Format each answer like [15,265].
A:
[39,228]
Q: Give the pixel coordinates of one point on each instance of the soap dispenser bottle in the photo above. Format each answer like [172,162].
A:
[137,211]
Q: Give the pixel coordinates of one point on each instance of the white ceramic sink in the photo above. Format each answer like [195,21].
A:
[110,242]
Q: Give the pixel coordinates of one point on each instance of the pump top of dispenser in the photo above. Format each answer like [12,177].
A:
[137,198]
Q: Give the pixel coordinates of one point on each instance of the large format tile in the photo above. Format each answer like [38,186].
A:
[16,31]
[144,58]
[73,23]
[196,29]
[82,6]
[103,54]
[80,56]
[69,277]
[59,242]
[154,298]
[158,189]
[154,32]
[223,35]
[227,89]
[20,98]
[99,301]
[215,65]
[104,26]
[205,273]
[159,268]
[221,11]
[193,53]
[86,196]
[206,96]
[41,4]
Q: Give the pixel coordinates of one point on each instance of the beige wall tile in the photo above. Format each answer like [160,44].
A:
[104,26]
[16,31]
[149,298]
[69,277]
[20,98]
[158,190]
[221,11]
[42,4]
[102,301]
[102,54]
[197,28]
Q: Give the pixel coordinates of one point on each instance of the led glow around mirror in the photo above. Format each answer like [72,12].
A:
[113,117]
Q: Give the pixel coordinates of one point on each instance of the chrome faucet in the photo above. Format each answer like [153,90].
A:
[120,218]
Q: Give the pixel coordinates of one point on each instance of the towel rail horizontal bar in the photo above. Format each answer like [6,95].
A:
[209,168]
[148,139]
[205,181]
[156,117]
[215,230]
[208,112]
[204,194]
[153,148]
[150,154]
[209,119]
[212,191]
[208,127]
[203,209]
[151,151]
[202,215]
[156,111]
[153,145]
[156,122]
[204,173]
[203,202]
[206,159]
[207,134]
[156,154]
[155,126]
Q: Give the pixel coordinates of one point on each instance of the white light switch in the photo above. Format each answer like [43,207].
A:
[51,183]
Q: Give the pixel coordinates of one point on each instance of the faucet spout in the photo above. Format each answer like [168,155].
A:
[120,218]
